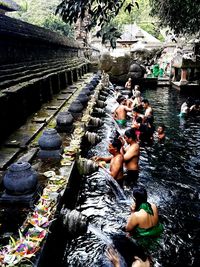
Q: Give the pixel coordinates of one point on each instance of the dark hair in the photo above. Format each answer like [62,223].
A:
[130,94]
[146,101]
[139,120]
[163,126]
[130,133]
[197,102]
[120,99]
[140,195]
[136,109]
[128,248]
[116,143]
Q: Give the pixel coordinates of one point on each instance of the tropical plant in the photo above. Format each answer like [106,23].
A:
[98,12]
[180,16]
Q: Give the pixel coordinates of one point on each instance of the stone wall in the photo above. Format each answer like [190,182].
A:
[35,64]
[20,42]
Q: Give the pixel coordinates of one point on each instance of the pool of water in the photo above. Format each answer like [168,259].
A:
[170,172]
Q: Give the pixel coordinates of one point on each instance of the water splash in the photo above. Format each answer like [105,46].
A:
[97,232]
[117,190]
[118,129]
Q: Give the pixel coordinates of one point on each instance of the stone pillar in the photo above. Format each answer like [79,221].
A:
[183,76]
[69,78]
[175,74]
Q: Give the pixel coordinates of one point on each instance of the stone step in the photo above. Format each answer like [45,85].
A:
[35,74]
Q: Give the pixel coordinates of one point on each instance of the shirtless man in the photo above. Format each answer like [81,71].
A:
[116,160]
[128,84]
[148,108]
[161,132]
[131,156]
[120,112]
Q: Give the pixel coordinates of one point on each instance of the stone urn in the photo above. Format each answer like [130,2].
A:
[20,179]
[95,81]
[90,87]
[50,144]
[76,108]
[64,121]
[74,222]
[86,91]
[83,98]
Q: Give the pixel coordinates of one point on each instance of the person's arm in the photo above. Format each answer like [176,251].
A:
[132,222]
[131,153]
[128,109]
[106,159]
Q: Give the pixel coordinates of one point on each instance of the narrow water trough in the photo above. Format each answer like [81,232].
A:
[59,166]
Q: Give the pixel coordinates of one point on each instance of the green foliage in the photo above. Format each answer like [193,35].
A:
[181,16]
[98,13]
[42,13]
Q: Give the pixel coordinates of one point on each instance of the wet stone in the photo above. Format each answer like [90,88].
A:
[52,107]
[23,136]
[7,155]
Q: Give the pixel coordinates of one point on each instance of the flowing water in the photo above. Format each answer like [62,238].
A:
[171,174]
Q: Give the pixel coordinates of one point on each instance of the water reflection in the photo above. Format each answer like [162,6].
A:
[170,173]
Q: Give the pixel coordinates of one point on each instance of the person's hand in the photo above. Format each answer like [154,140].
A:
[113,256]
[102,164]
[95,158]
[122,140]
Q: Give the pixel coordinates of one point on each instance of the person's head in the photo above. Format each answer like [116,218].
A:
[130,135]
[128,248]
[129,95]
[120,99]
[137,87]
[115,146]
[129,79]
[136,111]
[140,196]
[139,120]
[145,103]
[161,129]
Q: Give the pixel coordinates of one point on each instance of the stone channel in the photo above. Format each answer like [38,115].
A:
[58,174]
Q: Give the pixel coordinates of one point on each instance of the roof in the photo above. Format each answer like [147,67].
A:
[134,32]
[9,5]
[127,37]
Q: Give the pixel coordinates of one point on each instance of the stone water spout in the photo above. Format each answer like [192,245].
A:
[100,104]
[74,222]
[104,93]
[98,112]
[86,166]
[102,98]
[50,145]
[92,138]
[96,122]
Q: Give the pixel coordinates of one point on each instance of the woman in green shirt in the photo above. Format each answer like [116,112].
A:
[143,221]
